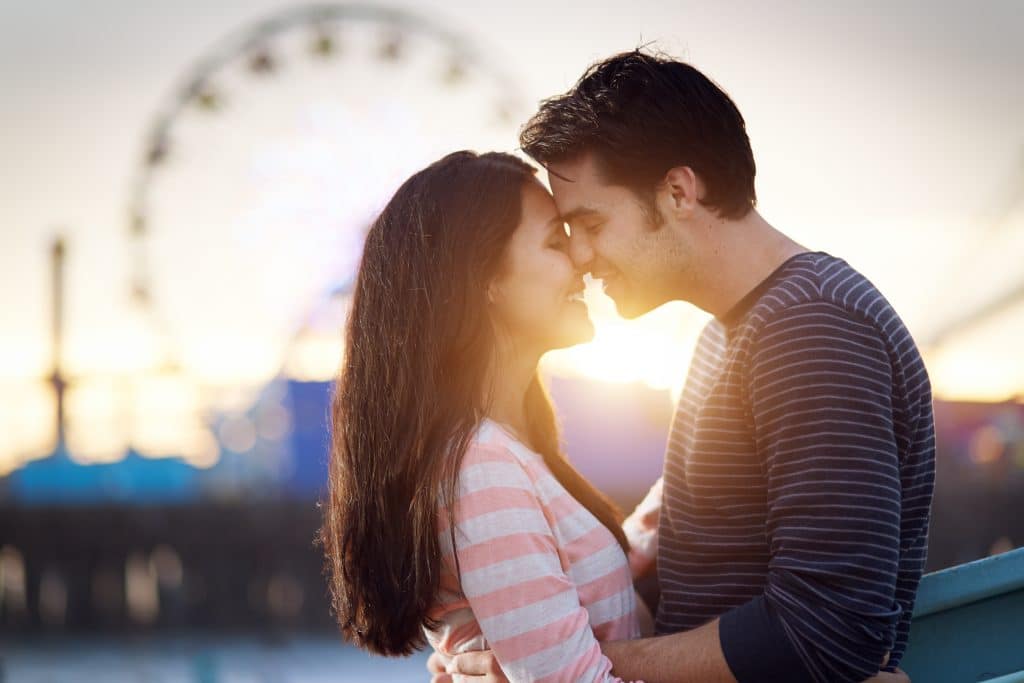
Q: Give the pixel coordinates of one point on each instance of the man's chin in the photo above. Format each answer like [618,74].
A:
[630,309]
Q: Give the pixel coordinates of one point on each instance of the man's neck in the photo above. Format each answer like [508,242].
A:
[739,255]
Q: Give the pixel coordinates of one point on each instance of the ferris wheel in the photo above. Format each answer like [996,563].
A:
[265,164]
[262,169]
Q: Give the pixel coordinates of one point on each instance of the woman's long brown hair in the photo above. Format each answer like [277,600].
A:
[412,393]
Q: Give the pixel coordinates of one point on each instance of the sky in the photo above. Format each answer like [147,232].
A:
[889,134]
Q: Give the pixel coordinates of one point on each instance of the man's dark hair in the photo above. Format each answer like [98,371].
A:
[641,115]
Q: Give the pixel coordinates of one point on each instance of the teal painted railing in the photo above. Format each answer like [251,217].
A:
[969,623]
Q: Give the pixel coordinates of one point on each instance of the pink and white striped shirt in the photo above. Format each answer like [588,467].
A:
[542,582]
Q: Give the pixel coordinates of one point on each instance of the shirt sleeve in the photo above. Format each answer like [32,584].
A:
[513,575]
[641,528]
[820,392]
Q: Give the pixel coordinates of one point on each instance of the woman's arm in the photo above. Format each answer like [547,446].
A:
[512,574]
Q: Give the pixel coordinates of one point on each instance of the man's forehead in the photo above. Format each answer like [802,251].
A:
[571,206]
[577,170]
[575,192]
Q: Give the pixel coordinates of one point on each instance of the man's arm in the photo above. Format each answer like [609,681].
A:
[820,384]
[689,657]
[820,391]
[676,658]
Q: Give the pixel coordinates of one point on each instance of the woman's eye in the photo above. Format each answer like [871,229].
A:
[592,229]
[559,240]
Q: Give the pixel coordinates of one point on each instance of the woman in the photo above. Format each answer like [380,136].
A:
[452,513]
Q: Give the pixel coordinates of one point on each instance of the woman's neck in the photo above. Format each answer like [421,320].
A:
[511,375]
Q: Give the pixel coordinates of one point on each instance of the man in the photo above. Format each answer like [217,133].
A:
[800,467]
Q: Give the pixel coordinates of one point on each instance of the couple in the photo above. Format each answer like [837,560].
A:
[788,531]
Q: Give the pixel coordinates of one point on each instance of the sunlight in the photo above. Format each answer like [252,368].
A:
[654,349]
[160,413]
[315,356]
[27,421]
[96,410]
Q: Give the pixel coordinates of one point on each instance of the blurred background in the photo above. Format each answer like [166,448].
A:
[184,188]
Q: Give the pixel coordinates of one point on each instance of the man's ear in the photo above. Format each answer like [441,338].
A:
[681,190]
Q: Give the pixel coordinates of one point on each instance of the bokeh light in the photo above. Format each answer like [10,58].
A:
[988,445]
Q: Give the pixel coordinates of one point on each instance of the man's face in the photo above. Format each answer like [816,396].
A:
[614,237]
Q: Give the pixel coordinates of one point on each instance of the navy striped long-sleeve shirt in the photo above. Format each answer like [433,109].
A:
[798,480]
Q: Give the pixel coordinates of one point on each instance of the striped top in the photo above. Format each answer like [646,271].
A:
[542,580]
[798,480]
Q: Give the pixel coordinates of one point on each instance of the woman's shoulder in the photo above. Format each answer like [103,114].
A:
[497,484]
[493,455]
[493,443]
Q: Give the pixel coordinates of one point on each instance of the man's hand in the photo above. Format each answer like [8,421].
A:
[886,677]
[473,667]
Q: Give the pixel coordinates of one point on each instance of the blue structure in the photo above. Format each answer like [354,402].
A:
[310,408]
[58,480]
[293,467]
[969,623]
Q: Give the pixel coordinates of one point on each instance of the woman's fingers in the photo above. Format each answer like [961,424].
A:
[435,663]
[480,667]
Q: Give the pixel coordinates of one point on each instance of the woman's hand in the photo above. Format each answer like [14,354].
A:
[435,663]
[470,667]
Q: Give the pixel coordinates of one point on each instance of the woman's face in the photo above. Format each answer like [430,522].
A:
[537,298]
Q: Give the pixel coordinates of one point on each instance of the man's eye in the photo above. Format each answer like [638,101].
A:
[593,229]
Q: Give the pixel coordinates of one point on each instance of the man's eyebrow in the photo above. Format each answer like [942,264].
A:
[576,214]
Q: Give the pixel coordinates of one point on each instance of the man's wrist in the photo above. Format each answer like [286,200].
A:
[756,647]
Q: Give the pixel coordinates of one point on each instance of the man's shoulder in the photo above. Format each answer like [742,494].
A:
[823,299]
[823,284]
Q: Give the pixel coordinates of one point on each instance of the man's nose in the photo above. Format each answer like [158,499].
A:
[580,250]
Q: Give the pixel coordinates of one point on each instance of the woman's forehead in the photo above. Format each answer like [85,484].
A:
[538,206]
